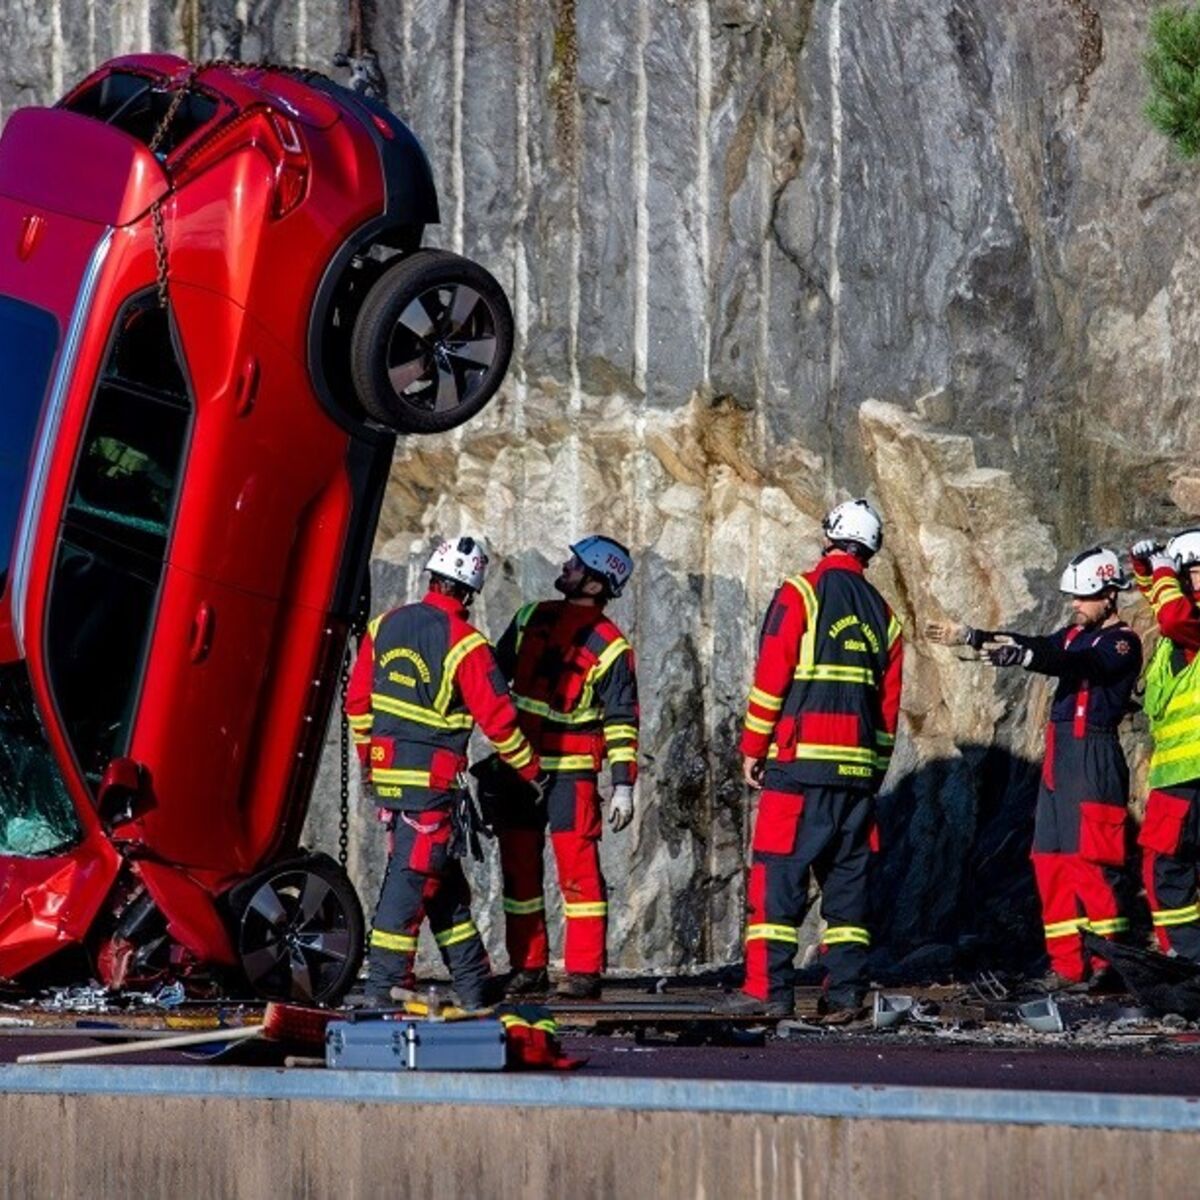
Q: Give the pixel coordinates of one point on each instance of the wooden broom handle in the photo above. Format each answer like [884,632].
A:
[241,1033]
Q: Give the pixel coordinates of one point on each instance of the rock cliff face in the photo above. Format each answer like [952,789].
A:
[765,254]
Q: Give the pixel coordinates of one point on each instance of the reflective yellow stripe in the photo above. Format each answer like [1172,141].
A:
[422,716]
[893,631]
[568,762]
[608,656]
[402,942]
[765,699]
[1066,928]
[522,619]
[1166,584]
[373,626]
[581,716]
[1175,916]
[598,908]
[835,673]
[622,754]
[456,933]
[773,933]
[823,753]
[808,639]
[450,665]
[401,778]
[360,721]
[755,725]
[519,758]
[837,935]
[1113,925]
[1186,750]
[510,743]
[524,907]
[512,1021]
[884,739]
[360,739]
[618,732]
[547,1024]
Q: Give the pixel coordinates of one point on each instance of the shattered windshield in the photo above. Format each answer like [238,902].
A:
[36,813]
[28,340]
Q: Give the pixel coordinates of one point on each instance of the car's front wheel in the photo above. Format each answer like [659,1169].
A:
[299,931]
[431,342]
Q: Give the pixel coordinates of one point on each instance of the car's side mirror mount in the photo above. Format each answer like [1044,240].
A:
[121,795]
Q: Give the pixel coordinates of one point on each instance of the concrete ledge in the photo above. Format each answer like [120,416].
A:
[247,1134]
[542,1090]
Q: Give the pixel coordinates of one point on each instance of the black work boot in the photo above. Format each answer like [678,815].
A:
[579,987]
[532,981]
[742,1004]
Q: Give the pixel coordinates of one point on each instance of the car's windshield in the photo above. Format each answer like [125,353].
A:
[28,339]
[36,813]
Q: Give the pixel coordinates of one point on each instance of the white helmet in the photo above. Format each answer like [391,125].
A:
[1184,548]
[854,521]
[1090,573]
[462,559]
[607,558]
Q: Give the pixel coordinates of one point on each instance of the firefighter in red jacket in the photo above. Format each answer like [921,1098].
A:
[1079,824]
[423,677]
[819,733]
[1169,578]
[575,685]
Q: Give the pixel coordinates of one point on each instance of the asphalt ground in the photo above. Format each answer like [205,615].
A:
[1098,1053]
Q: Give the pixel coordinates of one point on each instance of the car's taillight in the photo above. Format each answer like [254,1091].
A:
[291,166]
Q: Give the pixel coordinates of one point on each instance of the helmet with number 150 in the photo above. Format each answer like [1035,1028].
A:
[607,558]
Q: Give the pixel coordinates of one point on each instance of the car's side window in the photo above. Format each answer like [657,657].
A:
[115,534]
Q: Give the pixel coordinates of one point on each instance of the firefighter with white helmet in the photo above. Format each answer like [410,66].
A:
[819,731]
[574,681]
[422,679]
[1079,829]
[1169,578]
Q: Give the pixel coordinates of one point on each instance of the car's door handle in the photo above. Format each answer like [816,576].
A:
[202,631]
[246,391]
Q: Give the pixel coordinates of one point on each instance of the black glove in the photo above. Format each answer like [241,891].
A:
[1008,656]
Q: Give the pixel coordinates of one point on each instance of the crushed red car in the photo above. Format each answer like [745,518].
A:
[215,317]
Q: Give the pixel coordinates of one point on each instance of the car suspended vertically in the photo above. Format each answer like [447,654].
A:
[215,317]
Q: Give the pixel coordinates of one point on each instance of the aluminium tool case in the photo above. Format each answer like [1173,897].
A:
[415,1045]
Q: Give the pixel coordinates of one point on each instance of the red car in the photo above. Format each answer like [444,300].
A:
[215,316]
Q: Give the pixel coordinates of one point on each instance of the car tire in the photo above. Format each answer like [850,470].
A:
[431,343]
[298,930]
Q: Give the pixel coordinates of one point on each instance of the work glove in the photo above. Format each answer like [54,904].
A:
[1151,554]
[1006,655]
[948,633]
[620,807]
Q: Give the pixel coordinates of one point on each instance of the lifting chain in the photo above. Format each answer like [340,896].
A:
[182,91]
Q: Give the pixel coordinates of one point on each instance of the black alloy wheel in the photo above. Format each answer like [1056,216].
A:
[299,932]
[431,343]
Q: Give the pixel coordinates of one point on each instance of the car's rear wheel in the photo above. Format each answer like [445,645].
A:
[431,342]
[299,931]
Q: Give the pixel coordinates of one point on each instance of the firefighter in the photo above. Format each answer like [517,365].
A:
[1170,835]
[575,685]
[1079,824]
[819,732]
[422,679]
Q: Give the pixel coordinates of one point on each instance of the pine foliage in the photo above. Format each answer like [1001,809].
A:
[1172,64]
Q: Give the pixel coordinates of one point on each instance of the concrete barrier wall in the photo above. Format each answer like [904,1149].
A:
[100,1146]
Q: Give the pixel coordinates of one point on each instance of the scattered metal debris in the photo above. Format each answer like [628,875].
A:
[890,1010]
[1042,1015]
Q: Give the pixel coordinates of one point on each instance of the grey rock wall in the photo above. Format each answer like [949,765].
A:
[764,254]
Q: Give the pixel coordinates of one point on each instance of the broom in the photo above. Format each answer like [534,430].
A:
[291,1023]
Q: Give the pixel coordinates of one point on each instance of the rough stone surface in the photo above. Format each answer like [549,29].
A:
[765,255]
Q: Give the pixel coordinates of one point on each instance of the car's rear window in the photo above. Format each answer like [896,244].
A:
[137,105]
[28,341]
